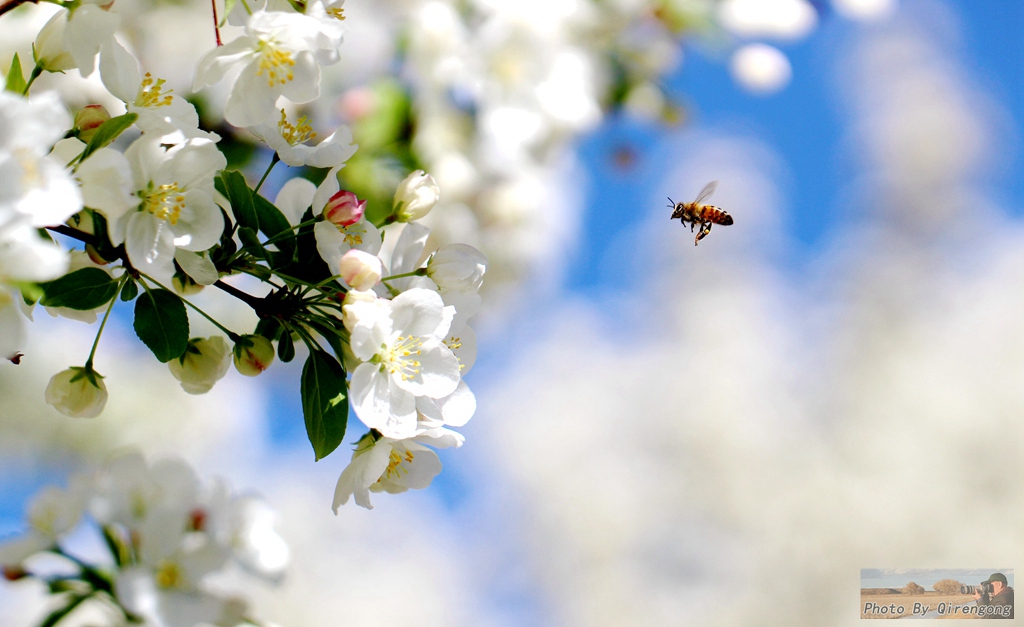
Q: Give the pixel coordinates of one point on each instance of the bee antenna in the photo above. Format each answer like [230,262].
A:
[673,204]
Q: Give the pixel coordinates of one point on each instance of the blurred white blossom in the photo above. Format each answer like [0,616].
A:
[761,68]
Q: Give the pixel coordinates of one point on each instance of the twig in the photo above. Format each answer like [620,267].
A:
[10,5]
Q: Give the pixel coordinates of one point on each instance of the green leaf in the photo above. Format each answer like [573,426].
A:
[83,290]
[286,347]
[330,335]
[30,292]
[308,265]
[324,402]
[58,614]
[117,549]
[238,192]
[222,254]
[228,5]
[251,242]
[162,324]
[269,328]
[273,222]
[15,79]
[129,291]
[108,132]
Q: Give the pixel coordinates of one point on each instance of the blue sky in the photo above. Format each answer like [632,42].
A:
[804,124]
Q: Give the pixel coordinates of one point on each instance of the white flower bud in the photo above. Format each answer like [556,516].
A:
[356,306]
[204,363]
[184,285]
[51,53]
[360,270]
[252,360]
[457,268]
[77,392]
[415,197]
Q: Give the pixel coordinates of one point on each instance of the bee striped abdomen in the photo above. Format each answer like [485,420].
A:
[715,215]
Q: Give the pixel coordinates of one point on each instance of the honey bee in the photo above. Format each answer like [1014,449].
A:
[696,213]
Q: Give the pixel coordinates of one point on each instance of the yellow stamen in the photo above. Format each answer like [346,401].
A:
[395,468]
[297,134]
[276,63]
[337,13]
[169,575]
[396,358]
[152,94]
[455,343]
[165,203]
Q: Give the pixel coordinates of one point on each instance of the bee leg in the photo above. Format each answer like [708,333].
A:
[705,228]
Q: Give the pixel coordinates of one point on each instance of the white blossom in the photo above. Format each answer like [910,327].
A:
[385,465]
[71,39]
[288,141]
[404,358]
[160,110]
[32,183]
[279,55]
[176,208]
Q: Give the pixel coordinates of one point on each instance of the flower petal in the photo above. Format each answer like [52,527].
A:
[438,373]
[330,243]
[212,67]
[417,312]
[409,248]
[380,405]
[198,267]
[294,198]
[362,472]
[119,71]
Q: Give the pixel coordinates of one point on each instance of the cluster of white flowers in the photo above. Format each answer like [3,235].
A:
[160,209]
[166,533]
[500,89]
[407,317]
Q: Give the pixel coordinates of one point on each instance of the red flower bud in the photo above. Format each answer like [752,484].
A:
[344,209]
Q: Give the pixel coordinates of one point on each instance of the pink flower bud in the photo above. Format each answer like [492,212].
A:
[360,270]
[90,118]
[344,209]
[253,354]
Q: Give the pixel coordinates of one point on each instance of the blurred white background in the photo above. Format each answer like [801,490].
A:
[718,435]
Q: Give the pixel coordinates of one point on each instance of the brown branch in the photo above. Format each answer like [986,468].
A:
[10,5]
[258,304]
[216,27]
[81,236]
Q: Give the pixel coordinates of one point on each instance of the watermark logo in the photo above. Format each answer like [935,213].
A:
[936,593]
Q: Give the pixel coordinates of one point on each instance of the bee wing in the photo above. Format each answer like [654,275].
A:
[707,191]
